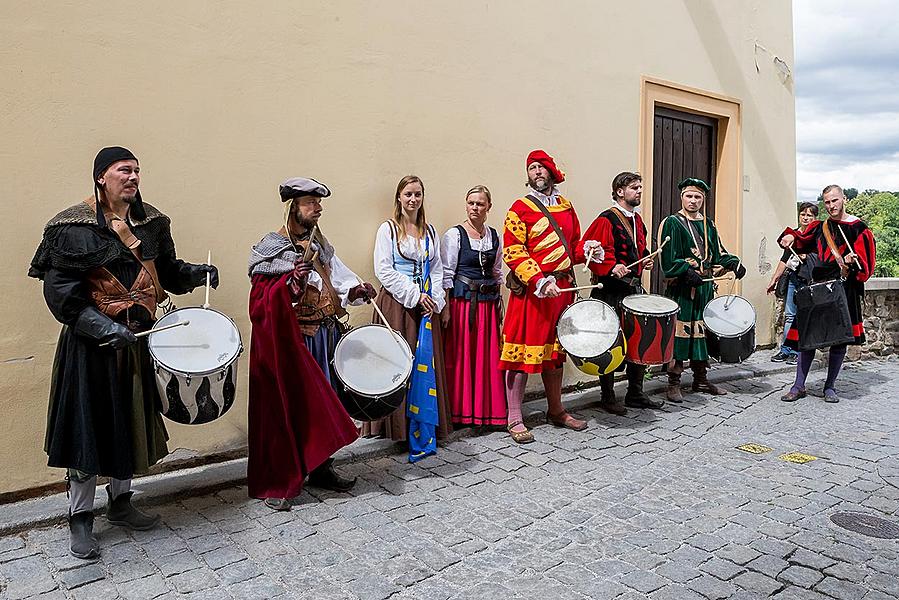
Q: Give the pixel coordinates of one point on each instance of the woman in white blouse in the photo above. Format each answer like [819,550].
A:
[402,245]
[472,274]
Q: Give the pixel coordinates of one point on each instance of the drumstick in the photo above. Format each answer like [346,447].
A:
[157,330]
[596,286]
[846,240]
[589,258]
[308,251]
[395,334]
[716,278]
[208,263]
[648,256]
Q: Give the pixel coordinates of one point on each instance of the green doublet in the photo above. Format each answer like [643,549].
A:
[685,250]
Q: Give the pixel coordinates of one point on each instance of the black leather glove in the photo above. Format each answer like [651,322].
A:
[692,278]
[95,325]
[197,275]
[364,291]
[740,271]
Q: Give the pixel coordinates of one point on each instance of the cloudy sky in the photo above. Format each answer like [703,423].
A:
[847,94]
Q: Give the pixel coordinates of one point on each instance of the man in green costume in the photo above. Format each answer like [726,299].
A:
[692,255]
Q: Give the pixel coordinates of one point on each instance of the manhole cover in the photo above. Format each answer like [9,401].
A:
[866,525]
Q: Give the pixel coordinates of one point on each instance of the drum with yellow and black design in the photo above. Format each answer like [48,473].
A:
[590,332]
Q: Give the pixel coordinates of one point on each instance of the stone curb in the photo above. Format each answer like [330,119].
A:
[205,479]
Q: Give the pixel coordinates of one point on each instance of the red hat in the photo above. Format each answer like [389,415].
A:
[547,161]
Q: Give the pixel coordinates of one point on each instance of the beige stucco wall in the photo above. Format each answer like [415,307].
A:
[222,100]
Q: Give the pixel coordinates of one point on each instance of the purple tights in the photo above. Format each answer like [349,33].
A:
[804,364]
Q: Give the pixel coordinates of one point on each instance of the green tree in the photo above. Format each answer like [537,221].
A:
[880,210]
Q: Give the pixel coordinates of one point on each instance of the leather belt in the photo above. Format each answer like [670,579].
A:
[476,288]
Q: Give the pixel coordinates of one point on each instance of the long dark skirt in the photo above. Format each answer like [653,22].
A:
[406,321]
[104,415]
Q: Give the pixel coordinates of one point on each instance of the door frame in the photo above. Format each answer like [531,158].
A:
[728,168]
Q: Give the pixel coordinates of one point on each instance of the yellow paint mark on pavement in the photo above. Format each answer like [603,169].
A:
[797,457]
[754,448]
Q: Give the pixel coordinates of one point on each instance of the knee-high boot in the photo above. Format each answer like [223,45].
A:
[701,382]
[673,393]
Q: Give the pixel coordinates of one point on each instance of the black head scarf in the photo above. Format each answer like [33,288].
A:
[106,158]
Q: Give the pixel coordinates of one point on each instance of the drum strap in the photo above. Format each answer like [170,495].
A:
[556,228]
[627,225]
[832,244]
[123,231]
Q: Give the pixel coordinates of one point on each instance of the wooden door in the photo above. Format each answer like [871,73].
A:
[684,145]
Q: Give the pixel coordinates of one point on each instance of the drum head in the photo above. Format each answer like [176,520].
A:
[372,361]
[734,320]
[588,328]
[209,343]
[649,304]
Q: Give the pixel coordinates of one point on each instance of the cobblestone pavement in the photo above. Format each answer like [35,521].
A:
[658,504]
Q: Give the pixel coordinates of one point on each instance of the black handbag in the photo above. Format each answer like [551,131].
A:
[822,315]
[782,284]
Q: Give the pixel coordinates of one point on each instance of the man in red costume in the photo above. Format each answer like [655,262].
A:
[542,262]
[296,421]
[621,232]
[844,248]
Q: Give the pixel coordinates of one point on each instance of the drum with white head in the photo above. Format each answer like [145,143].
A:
[729,328]
[589,331]
[196,365]
[648,322]
[372,365]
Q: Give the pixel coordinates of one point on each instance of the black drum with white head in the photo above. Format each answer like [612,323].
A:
[729,328]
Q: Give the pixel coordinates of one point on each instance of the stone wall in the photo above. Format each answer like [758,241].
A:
[881,319]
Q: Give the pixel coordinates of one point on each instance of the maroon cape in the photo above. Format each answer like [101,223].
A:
[296,421]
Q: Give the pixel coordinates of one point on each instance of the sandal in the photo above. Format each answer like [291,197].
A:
[792,396]
[567,421]
[520,437]
[277,503]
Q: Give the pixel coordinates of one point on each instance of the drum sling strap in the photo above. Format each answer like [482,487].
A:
[631,280]
[558,230]
[831,243]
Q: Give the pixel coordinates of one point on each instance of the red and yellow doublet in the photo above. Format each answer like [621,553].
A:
[533,250]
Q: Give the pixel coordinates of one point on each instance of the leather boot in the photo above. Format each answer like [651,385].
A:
[701,382]
[673,393]
[609,402]
[121,512]
[635,396]
[83,544]
[326,477]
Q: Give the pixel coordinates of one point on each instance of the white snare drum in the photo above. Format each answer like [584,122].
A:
[729,328]
[196,365]
[589,331]
[372,367]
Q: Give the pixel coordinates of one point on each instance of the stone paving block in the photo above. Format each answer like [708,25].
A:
[172,564]
[143,588]
[757,583]
[722,569]
[800,576]
[260,588]
[842,590]
[767,565]
[194,581]
[711,587]
[642,581]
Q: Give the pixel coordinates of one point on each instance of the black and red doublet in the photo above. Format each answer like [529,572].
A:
[623,240]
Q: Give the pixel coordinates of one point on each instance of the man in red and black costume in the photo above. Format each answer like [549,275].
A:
[542,262]
[621,232]
[843,247]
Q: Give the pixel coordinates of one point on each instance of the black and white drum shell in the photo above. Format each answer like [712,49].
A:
[196,365]
[372,366]
[729,328]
